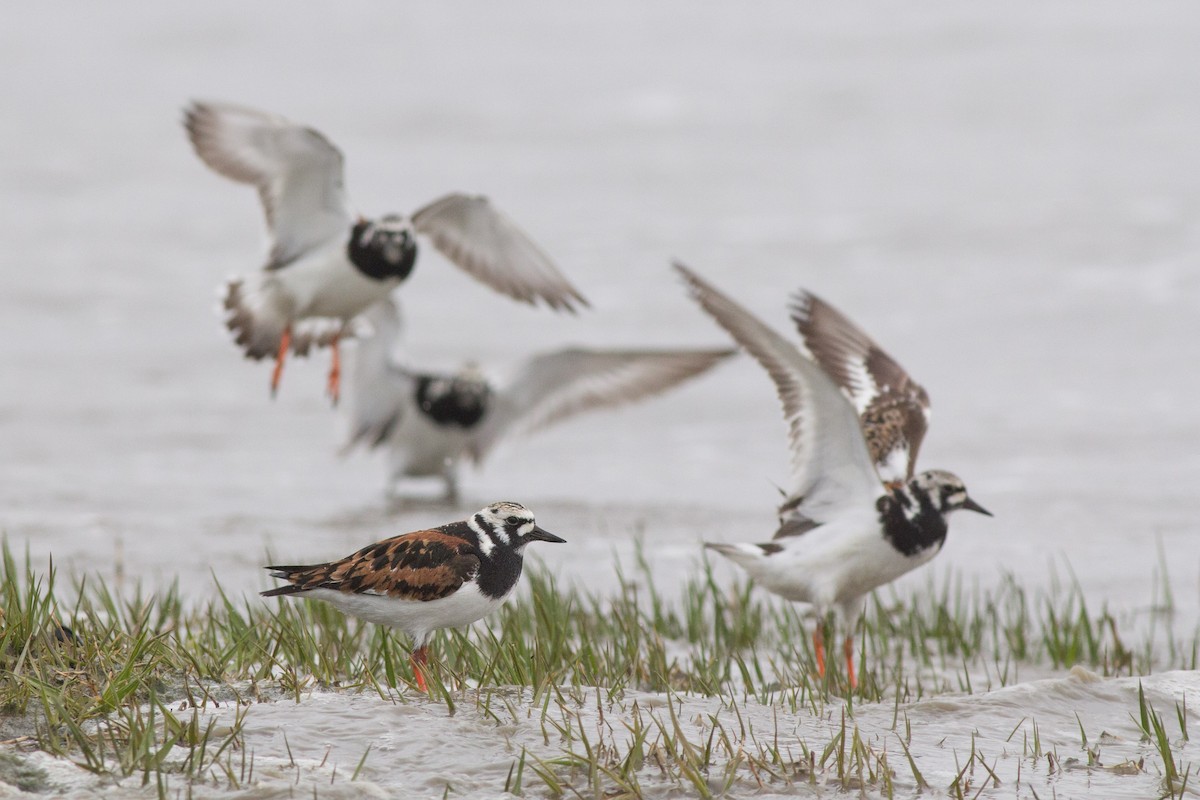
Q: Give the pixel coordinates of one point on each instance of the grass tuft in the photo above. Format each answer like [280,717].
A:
[123,685]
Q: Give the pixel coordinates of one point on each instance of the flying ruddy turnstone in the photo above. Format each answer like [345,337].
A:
[843,531]
[325,265]
[430,422]
[419,582]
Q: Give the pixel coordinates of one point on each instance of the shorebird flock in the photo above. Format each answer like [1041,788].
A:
[855,515]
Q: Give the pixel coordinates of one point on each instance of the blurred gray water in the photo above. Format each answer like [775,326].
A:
[1006,197]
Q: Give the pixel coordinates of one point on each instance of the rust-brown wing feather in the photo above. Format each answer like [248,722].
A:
[892,407]
[423,565]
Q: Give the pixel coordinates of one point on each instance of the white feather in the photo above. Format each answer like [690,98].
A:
[832,473]
[417,618]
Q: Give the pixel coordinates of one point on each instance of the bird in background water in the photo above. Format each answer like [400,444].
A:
[855,517]
[326,264]
[430,422]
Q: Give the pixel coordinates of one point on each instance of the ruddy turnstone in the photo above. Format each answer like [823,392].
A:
[325,265]
[843,531]
[430,422]
[419,582]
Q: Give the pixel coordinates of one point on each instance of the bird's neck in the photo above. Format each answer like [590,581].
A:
[500,562]
[910,520]
[500,570]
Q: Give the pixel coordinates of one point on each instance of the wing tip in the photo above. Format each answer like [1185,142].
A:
[802,306]
[199,115]
[724,310]
[568,300]
[698,289]
[689,277]
[195,115]
[283,591]
[720,353]
[287,573]
[546,285]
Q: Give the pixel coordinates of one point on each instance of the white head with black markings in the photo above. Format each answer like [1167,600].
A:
[509,525]
[946,491]
[383,248]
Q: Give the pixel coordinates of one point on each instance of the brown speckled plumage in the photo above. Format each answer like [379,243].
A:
[424,581]
[894,422]
[423,565]
[892,407]
[854,418]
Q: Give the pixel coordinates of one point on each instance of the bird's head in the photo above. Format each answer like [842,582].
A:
[515,523]
[384,247]
[394,238]
[946,491]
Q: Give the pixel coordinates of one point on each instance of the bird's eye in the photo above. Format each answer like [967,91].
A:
[513,520]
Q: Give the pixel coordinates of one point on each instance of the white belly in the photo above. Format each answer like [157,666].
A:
[834,563]
[417,618]
[418,447]
[324,283]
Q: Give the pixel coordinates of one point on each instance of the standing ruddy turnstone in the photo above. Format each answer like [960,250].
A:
[419,582]
[430,422]
[326,265]
[843,531]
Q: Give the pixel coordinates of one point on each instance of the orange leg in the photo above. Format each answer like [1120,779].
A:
[848,649]
[334,385]
[285,343]
[419,658]
[819,647]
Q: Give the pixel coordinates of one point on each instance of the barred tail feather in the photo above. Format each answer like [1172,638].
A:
[281,591]
[257,324]
[258,321]
[293,574]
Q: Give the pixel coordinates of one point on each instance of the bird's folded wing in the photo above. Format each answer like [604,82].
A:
[893,408]
[831,468]
[423,565]
[559,385]
[477,237]
[378,387]
[298,172]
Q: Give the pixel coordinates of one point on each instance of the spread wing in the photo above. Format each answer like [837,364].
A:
[477,237]
[556,386]
[893,408]
[378,387]
[424,565]
[831,468]
[298,172]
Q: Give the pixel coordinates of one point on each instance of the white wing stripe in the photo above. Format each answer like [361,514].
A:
[831,467]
